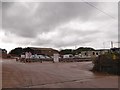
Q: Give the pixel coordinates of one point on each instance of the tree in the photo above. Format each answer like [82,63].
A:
[66,51]
[76,51]
[85,49]
[16,52]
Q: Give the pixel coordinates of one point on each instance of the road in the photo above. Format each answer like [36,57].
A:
[54,75]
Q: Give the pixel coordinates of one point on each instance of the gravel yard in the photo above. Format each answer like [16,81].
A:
[54,75]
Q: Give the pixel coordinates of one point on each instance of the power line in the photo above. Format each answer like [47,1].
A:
[116,42]
[99,9]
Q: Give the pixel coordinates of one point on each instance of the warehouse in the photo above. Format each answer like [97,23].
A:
[41,51]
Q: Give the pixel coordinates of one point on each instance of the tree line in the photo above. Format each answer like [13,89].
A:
[19,50]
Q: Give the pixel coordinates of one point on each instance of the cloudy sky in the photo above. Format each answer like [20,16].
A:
[59,24]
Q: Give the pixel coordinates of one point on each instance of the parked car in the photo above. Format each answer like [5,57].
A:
[68,56]
[47,57]
[41,56]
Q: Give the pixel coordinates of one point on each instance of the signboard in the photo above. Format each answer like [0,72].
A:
[27,55]
[56,58]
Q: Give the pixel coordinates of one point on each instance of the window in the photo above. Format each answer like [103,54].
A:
[96,53]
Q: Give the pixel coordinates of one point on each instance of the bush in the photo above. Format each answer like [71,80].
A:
[108,62]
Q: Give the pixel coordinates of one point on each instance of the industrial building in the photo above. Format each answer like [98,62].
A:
[41,51]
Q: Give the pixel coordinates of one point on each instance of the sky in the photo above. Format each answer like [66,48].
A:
[58,25]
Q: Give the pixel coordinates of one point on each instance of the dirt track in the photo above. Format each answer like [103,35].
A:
[54,75]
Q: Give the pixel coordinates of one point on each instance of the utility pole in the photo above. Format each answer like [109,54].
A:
[111,44]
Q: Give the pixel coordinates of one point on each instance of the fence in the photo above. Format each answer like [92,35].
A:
[51,59]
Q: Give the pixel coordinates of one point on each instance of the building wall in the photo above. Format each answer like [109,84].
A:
[41,51]
[49,52]
[92,53]
[89,53]
[0,53]
[3,53]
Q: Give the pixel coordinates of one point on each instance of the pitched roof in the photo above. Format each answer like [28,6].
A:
[37,48]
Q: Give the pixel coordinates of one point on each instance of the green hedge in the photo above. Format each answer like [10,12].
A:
[109,62]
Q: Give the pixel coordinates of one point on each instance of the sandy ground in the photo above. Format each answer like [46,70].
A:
[54,75]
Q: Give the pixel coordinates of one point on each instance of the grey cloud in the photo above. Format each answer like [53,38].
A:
[77,33]
[41,42]
[47,17]
[68,37]
[31,20]
[0,14]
